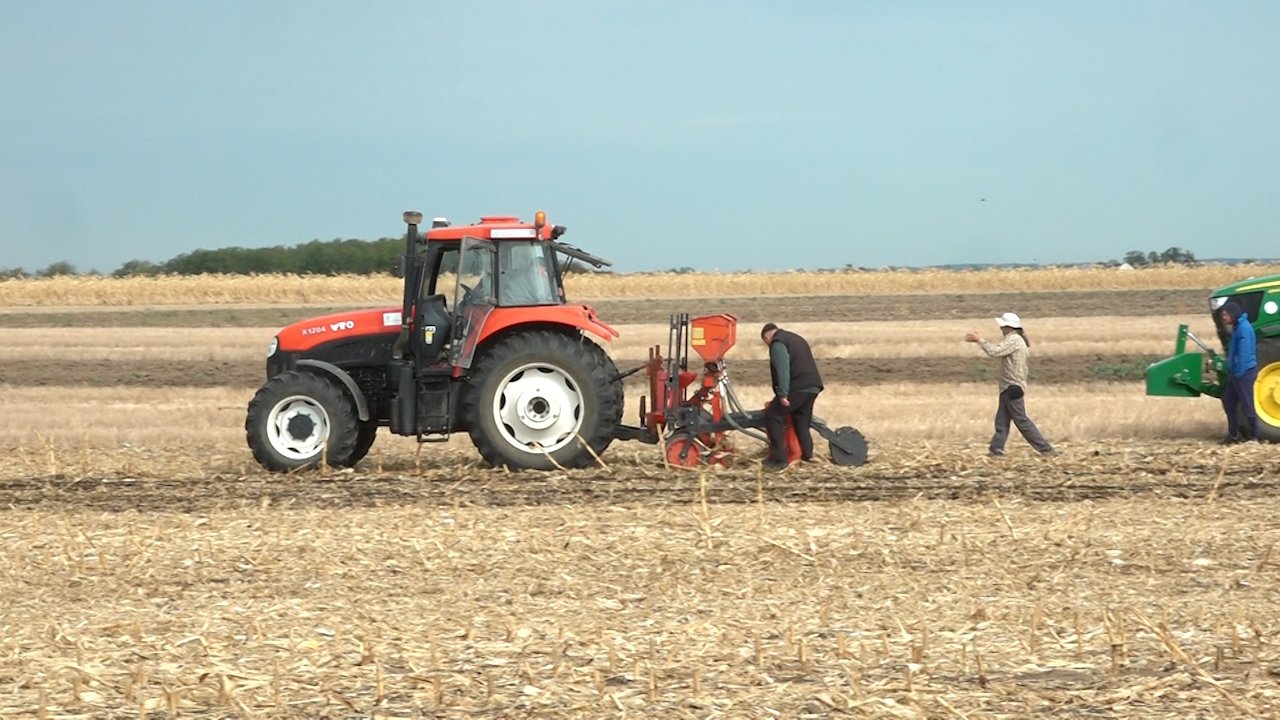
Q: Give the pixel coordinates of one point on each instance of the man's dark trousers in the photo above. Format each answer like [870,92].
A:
[1237,399]
[799,415]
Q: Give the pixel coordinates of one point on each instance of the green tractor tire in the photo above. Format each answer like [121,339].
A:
[1266,390]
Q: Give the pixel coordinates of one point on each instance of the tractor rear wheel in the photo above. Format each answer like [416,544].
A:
[1266,390]
[541,400]
[299,418]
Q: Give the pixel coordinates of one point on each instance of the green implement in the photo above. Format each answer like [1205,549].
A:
[1187,374]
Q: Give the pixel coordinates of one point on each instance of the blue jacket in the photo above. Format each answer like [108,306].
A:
[1242,352]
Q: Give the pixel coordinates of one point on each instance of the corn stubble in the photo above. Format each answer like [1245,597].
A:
[931,582]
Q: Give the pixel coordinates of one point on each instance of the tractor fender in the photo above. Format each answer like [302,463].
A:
[362,407]
[580,317]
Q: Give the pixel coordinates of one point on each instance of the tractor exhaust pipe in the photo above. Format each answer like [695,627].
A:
[409,271]
[404,399]
[412,219]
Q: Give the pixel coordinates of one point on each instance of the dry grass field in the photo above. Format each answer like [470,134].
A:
[299,290]
[148,568]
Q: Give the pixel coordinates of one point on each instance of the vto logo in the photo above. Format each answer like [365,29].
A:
[343,325]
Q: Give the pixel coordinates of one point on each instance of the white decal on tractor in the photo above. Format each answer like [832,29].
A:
[342,325]
[390,318]
[513,233]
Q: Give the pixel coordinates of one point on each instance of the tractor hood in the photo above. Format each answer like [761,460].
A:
[1256,284]
[307,334]
[1259,297]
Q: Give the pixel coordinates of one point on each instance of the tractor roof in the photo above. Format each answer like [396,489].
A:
[493,227]
[1253,284]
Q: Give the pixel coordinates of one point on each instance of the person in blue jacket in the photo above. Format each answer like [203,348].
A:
[1242,373]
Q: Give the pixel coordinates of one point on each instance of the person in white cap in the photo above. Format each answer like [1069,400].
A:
[1014,349]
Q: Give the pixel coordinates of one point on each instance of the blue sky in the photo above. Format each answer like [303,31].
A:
[715,135]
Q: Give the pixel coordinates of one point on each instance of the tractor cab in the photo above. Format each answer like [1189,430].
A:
[474,280]
[489,345]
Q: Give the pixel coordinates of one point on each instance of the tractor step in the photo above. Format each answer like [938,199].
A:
[435,411]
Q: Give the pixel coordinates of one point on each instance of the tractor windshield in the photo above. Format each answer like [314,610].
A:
[526,275]
[1251,303]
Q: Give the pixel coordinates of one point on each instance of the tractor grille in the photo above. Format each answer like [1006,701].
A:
[373,383]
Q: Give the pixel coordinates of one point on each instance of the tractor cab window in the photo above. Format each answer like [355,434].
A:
[475,274]
[442,279]
[526,274]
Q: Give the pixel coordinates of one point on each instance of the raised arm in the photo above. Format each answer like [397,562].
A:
[1005,347]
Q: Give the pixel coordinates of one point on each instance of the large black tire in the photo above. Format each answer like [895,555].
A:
[616,400]
[535,397]
[1266,390]
[299,418]
[367,433]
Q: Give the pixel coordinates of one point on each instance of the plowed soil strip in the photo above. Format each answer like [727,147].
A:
[1034,480]
[88,372]
[789,308]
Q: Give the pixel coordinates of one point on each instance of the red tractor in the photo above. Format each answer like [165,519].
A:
[484,342]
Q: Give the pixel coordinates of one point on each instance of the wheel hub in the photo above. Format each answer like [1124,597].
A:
[298,427]
[538,407]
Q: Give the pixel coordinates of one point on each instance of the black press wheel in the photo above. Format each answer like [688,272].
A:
[297,418]
[536,397]
[848,447]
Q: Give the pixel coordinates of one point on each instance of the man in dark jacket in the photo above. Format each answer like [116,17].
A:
[796,384]
[1242,373]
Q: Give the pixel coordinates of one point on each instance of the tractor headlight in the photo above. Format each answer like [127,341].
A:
[275,345]
[1215,303]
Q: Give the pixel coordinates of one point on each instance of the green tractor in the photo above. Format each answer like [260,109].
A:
[1203,372]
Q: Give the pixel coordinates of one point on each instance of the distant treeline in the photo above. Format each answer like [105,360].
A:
[318,257]
[1172,256]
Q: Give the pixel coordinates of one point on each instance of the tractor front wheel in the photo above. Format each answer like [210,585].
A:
[299,418]
[1266,390]
[364,441]
[541,400]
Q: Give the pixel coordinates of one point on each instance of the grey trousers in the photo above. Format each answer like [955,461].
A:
[1013,409]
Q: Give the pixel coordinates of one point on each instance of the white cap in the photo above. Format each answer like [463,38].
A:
[1009,320]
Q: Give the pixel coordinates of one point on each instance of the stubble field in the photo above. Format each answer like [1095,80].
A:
[150,569]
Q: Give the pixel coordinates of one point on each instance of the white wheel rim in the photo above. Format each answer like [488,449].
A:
[298,427]
[538,408]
